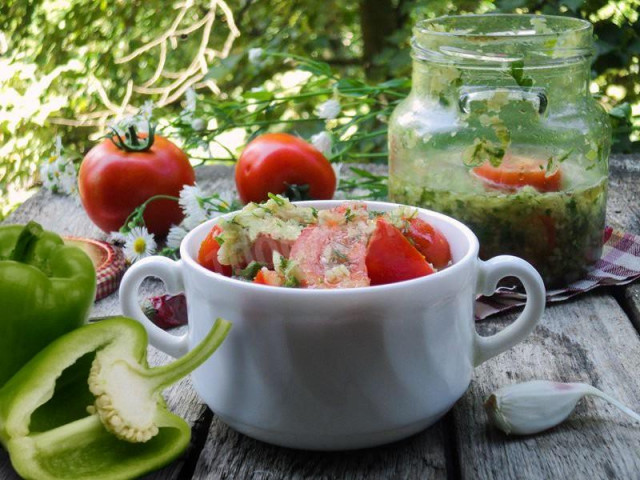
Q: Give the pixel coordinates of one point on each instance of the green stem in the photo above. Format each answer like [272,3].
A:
[226,149]
[140,210]
[133,136]
[367,135]
[30,234]
[367,155]
[169,374]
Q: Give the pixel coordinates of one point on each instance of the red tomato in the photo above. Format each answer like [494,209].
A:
[391,257]
[208,253]
[273,161]
[113,182]
[515,172]
[430,242]
[268,277]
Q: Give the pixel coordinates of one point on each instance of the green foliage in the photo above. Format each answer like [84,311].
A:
[357,132]
[59,53]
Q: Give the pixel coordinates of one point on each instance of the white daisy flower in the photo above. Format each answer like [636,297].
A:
[68,179]
[146,111]
[175,236]
[329,109]
[139,244]
[191,222]
[48,173]
[255,56]
[227,198]
[322,141]
[58,174]
[117,237]
[191,202]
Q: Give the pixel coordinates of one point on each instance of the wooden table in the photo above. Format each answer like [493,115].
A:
[593,339]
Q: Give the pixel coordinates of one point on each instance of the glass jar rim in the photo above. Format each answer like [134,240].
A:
[581,26]
[487,39]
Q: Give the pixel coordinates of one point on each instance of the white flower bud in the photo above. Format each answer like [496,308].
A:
[255,56]
[322,141]
[532,407]
[329,109]
[198,124]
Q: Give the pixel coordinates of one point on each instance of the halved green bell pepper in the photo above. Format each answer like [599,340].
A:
[89,407]
[46,290]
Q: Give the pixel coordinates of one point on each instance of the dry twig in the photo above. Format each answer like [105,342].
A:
[192,76]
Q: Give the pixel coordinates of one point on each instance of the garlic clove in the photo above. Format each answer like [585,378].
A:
[535,406]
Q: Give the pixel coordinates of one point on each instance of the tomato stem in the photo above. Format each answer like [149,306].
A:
[131,142]
[296,193]
[132,136]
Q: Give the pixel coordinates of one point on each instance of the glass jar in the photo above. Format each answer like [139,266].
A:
[500,131]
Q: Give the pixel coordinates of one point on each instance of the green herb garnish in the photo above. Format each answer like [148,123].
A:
[349,215]
[251,270]
[280,201]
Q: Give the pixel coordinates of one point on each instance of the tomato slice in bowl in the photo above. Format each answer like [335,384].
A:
[208,253]
[430,242]
[268,277]
[515,172]
[391,257]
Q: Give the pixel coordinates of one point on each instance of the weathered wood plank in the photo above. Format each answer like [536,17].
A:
[228,454]
[623,206]
[589,340]
[624,210]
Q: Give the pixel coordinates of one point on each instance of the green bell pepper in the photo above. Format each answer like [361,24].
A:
[46,290]
[89,407]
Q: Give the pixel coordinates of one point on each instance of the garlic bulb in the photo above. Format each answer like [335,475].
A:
[532,407]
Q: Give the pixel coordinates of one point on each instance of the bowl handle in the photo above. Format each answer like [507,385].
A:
[490,273]
[170,272]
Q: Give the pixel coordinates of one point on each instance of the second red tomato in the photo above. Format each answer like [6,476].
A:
[272,162]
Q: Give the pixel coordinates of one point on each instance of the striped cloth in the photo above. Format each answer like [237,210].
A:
[110,272]
[619,265]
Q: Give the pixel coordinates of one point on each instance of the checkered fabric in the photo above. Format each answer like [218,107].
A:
[619,265]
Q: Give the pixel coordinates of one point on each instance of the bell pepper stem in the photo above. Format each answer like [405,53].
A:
[31,232]
[166,375]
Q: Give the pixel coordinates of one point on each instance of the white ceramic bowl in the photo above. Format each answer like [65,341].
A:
[338,369]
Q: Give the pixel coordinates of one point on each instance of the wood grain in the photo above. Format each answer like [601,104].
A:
[623,210]
[229,455]
[587,340]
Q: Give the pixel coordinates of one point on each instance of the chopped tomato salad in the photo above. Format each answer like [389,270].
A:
[277,243]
